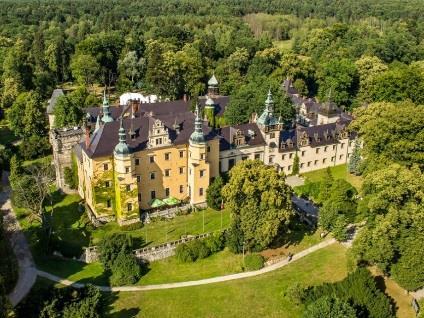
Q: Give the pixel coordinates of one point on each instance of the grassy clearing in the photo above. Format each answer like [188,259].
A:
[338,172]
[284,46]
[261,296]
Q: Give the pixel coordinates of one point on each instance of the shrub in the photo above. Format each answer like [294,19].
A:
[329,307]
[125,270]
[295,293]
[213,193]
[253,262]
[112,245]
[234,239]
[183,253]
[215,242]
[70,178]
[198,249]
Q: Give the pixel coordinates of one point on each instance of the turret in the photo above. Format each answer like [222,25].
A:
[122,149]
[267,118]
[197,136]
[107,117]
[213,86]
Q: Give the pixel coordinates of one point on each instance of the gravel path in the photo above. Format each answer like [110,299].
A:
[27,270]
[212,280]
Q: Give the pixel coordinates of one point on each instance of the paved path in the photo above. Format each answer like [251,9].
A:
[212,280]
[27,270]
[418,294]
[295,181]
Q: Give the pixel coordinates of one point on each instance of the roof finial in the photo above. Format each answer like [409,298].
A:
[107,117]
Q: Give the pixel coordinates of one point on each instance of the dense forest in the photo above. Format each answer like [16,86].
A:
[354,52]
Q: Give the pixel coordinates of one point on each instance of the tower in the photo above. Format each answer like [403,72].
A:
[213,86]
[199,169]
[126,190]
[107,117]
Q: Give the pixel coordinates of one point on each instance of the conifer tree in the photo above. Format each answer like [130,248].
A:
[355,159]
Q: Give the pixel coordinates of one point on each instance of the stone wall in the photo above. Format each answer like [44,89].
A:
[63,141]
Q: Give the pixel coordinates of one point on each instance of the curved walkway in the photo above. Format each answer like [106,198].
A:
[212,280]
[27,269]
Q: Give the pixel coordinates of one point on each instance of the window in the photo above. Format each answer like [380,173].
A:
[201,191]
[105,167]
[333,158]
[139,197]
[181,189]
[325,148]
[257,156]
[138,178]
[181,154]
[291,155]
[272,135]
[202,156]
[317,150]
[109,203]
[129,207]
[342,145]
[202,173]
[127,169]
[209,149]
[315,162]
[181,170]
[158,141]
[152,159]
[107,184]
[137,161]
[309,163]
[302,165]
[167,192]
[153,194]
[289,168]
[128,187]
[283,157]
[271,159]
[167,172]
[341,157]
[231,163]
[303,153]
[334,147]
[152,176]
[324,160]
[167,155]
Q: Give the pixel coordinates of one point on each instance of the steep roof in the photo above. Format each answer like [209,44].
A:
[53,100]
[227,133]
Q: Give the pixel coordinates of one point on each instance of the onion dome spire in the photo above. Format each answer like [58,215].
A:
[197,135]
[107,117]
[122,149]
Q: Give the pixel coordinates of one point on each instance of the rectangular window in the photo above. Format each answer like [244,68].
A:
[341,157]
[109,203]
[167,155]
[202,156]
[303,153]
[152,159]
[138,178]
[107,184]
[342,145]
[105,167]
[257,156]
[137,161]
[289,168]
[209,149]
[316,162]
[128,187]
[334,147]
[317,150]
[244,158]
[129,207]
[167,172]
[283,157]
[181,170]
[181,188]
[271,159]
[201,191]
[167,192]
[333,158]
[302,164]
[309,163]
[291,155]
[152,175]
[127,169]
[181,154]
[139,197]
[202,173]
[272,135]
[324,160]
[325,148]
[159,141]
[153,194]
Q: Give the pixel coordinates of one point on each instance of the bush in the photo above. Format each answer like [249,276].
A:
[253,262]
[198,249]
[213,193]
[132,226]
[215,242]
[112,245]
[234,239]
[295,293]
[183,253]
[125,270]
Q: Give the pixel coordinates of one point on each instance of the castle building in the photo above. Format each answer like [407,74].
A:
[138,156]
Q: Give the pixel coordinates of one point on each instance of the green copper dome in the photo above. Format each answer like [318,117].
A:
[107,117]
[122,149]
[267,117]
[197,136]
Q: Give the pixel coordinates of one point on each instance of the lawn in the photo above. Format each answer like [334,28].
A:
[338,172]
[261,296]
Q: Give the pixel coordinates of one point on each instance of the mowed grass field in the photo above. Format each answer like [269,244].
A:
[261,296]
[338,172]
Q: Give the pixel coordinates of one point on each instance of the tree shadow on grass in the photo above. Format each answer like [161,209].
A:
[381,285]
[109,299]
[293,234]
